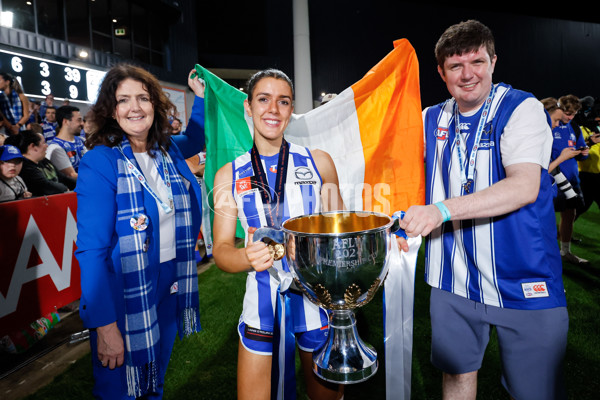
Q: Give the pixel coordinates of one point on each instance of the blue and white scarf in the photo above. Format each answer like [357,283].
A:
[16,106]
[142,333]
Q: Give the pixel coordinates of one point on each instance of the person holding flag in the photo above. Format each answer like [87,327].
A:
[265,186]
[138,217]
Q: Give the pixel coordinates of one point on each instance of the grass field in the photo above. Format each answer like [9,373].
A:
[204,366]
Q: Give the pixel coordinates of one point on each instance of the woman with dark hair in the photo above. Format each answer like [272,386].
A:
[138,218]
[258,189]
[40,175]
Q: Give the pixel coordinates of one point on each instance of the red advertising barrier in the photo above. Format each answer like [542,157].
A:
[39,272]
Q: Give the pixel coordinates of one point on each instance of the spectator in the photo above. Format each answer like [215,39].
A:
[568,147]
[12,186]
[67,148]
[21,111]
[589,170]
[13,103]
[34,112]
[39,174]
[89,126]
[48,102]
[49,125]
[554,112]
[175,126]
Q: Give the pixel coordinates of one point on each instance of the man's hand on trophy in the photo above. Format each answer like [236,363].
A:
[258,254]
[421,220]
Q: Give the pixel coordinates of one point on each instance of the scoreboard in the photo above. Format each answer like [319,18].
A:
[40,77]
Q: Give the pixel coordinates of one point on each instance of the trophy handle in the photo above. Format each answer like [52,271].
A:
[397,217]
[275,239]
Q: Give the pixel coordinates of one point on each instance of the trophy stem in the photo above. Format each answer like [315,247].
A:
[344,358]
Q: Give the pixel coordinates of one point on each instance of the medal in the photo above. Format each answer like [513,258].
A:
[467,178]
[277,250]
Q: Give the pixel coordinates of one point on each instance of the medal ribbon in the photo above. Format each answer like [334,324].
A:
[468,179]
[167,208]
[259,181]
[283,372]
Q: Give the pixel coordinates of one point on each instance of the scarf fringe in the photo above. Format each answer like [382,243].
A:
[142,379]
[189,321]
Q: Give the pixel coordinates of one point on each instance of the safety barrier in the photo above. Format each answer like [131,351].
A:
[39,272]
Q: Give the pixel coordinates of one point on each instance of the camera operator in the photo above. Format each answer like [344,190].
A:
[568,147]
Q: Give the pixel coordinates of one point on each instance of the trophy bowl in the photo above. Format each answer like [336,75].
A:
[338,259]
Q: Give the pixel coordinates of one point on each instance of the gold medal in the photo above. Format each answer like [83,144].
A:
[277,250]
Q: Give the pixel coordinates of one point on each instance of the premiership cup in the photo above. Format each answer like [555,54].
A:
[339,260]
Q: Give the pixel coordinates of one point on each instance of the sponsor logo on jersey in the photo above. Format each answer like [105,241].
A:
[304,176]
[243,185]
[534,289]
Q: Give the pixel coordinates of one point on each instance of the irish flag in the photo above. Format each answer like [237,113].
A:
[373,130]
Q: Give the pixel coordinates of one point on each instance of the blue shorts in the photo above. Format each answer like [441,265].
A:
[261,342]
[532,343]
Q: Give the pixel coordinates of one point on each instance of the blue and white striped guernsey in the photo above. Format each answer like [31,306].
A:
[302,196]
[507,261]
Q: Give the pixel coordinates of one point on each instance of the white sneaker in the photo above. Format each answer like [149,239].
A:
[573,259]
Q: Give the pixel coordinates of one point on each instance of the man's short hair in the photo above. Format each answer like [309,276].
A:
[64,112]
[569,103]
[463,38]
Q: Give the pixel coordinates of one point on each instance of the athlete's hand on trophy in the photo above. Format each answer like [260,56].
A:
[258,254]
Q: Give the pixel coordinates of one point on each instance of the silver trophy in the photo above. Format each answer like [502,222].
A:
[339,260]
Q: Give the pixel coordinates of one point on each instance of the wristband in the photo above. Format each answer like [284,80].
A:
[444,210]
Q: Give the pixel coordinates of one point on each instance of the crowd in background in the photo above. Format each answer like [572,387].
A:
[41,143]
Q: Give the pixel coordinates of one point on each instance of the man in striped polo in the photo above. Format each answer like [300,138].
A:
[492,257]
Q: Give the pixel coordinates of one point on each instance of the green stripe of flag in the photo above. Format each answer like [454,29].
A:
[226,129]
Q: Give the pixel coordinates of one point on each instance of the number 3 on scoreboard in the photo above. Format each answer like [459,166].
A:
[46,88]
[44,69]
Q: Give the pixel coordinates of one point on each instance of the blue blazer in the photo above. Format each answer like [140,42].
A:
[102,301]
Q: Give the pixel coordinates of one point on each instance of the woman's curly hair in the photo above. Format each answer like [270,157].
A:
[109,133]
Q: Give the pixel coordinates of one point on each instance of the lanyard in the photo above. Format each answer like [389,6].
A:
[467,179]
[261,182]
[167,208]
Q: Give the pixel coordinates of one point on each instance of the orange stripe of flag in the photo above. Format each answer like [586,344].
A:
[388,105]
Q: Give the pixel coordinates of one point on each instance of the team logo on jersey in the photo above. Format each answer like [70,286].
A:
[304,176]
[534,289]
[441,133]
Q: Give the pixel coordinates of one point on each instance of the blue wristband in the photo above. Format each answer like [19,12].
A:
[444,210]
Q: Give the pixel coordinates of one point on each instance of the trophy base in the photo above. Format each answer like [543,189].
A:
[345,358]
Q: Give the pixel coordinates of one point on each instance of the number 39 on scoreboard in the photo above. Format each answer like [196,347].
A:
[40,77]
